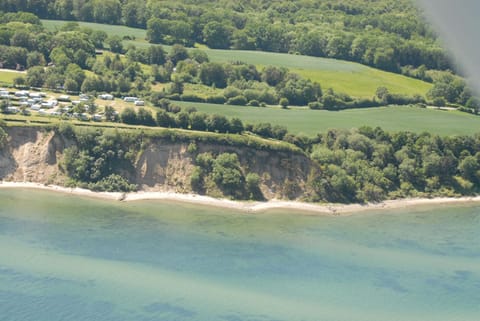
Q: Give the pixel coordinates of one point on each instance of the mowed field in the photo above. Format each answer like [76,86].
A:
[311,122]
[7,76]
[352,78]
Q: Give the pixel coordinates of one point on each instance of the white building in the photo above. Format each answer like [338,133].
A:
[130,99]
[106,97]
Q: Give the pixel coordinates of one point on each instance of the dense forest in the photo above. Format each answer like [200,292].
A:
[389,35]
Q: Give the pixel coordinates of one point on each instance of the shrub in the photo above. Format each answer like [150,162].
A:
[173,97]
[113,183]
[227,175]
[315,105]
[3,138]
[252,185]
[192,98]
[283,102]
[129,116]
[192,148]
[196,179]
[263,129]
[216,99]
[439,102]
[231,92]
[237,100]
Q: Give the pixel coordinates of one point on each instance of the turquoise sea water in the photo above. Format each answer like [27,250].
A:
[71,258]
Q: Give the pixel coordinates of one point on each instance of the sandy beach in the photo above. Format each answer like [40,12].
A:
[245,206]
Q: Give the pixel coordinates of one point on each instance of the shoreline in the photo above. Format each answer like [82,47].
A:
[245,206]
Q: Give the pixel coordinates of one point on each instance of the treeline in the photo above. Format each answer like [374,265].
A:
[387,34]
[172,116]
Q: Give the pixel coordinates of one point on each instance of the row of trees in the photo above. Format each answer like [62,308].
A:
[173,117]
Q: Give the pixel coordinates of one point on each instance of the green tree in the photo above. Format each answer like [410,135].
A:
[252,185]
[70,85]
[156,30]
[144,117]
[98,37]
[227,174]
[36,76]
[180,32]
[469,167]
[178,53]
[217,123]
[217,35]
[236,126]
[213,73]
[164,119]
[129,116]
[197,121]
[115,44]
[111,114]
[35,58]
[182,120]
[106,11]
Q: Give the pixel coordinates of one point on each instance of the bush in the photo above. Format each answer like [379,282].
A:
[216,99]
[283,102]
[254,103]
[174,97]
[252,185]
[3,137]
[192,98]
[113,183]
[227,175]
[263,129]
[192,148]
[231,92]
[439,102]
[129,116]
[315,105]
[66,130]
[196,179]
[237,100]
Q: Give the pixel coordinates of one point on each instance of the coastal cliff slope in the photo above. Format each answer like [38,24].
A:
[35,154]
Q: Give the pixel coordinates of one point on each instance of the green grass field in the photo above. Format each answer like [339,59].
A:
[138,34]
[311,122]
[7,77]
[352,78]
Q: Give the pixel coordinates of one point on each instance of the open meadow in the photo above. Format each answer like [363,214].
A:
[8,76]
[311,122]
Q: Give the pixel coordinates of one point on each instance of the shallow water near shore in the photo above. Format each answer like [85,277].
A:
[65,257]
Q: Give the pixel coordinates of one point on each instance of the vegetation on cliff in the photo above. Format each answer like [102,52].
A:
[364,165]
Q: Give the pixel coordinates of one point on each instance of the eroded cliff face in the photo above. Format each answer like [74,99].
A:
[32,155]
[35,155]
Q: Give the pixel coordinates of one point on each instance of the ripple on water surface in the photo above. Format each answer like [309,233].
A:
[70,258]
